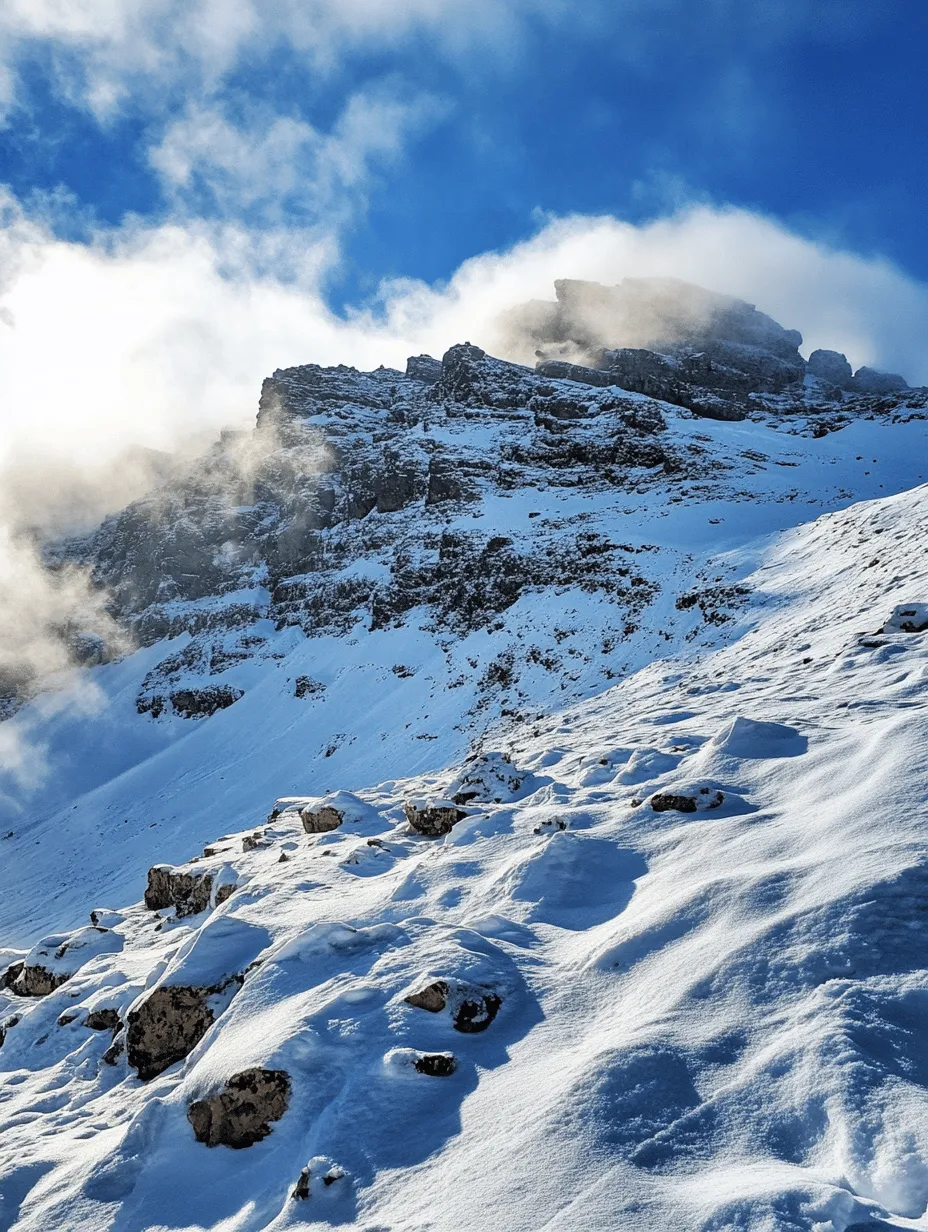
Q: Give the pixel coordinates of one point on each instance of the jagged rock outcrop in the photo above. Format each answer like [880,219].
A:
[188,892]
[337,510]
[871,381]
[831,366]
[241,1113]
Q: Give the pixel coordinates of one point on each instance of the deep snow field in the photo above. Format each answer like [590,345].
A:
[709,1019]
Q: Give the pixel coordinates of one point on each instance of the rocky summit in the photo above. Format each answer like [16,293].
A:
[500,789]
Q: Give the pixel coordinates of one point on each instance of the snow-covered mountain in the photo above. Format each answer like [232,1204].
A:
[524,772]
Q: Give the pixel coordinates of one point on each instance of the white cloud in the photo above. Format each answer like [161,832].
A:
[281,166]
[158,50]
[154,332]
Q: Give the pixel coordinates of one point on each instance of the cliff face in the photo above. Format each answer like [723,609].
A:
[365,500]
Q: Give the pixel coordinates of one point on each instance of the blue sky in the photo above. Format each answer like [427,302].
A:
[814,114]
[350,164]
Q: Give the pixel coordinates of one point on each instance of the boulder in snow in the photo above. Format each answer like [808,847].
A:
[189,893]
[241,1113]
[322,819]
[472,1009]
[680,802]
[488,778]
[907,618]
[167,1025]
[432,817]
[55,959]
[831,366]
[103,1020]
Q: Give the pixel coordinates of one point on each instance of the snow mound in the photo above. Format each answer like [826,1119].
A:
[751,738]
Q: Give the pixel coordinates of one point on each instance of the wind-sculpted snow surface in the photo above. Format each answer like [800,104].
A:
[691,1019]
[513,816]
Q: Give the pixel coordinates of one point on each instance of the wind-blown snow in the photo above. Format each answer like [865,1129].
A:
[711,1018]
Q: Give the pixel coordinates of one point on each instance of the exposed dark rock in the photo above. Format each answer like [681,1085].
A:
[168,1024]
[432,817]
[472,1009]
[201,703]
[240,1114]
[189,893]
[434,997]
[103,1020]
[667,801]
[831,366]
[423,368]
[11,974]
[870,381]
[116,1049]
[664,802]
[436,1064]
[38,981]
[321,820]
[562,371]
[305,686]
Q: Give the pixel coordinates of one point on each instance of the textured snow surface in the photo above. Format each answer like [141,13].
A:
[710,1018]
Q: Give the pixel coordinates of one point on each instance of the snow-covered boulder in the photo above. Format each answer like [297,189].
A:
[55,959]
[488,778]
[241,1113]
[166,1023]
[907,618]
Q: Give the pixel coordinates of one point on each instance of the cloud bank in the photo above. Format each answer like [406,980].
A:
[152,334]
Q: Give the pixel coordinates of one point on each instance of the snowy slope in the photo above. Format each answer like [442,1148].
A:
[709,1019]
[656,681]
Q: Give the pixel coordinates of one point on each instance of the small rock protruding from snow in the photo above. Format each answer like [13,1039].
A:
[907,618]
[319,1174]
[472,1009]
[705,798]
[433,817]
[241,1114]
[436,1064]
[167,1025]
[488,778]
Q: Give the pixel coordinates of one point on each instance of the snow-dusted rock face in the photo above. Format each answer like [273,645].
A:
[562,850]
